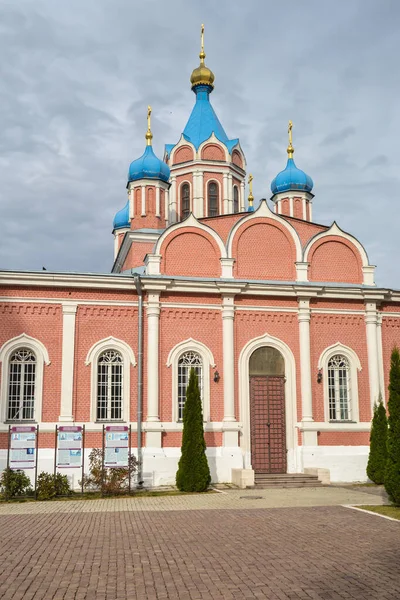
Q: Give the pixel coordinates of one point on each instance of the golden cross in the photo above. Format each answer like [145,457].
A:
[251,183]
[148,118]
[290,132]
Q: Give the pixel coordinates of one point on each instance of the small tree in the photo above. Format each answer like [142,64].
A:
[108,480]
[392,471]
[193,473]
[378,444]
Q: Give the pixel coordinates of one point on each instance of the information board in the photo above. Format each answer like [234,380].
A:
[22,447]
[116,452]
[69,446]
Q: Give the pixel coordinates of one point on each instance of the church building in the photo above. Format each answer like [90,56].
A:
[278,314]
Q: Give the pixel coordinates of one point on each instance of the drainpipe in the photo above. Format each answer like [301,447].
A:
[138,285]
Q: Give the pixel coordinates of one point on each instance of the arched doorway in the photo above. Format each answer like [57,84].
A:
[267,410]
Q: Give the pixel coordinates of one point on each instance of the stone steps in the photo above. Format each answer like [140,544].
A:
[285,480]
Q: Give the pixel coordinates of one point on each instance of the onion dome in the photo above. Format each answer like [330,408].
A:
[202,75]
[148,166]
[121,219]
[291,178]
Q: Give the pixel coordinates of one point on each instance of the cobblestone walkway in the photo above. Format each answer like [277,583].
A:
[232,499]
[111,550]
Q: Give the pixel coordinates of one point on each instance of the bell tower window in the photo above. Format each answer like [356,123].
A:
[235,199]
[213,200]
[185,200]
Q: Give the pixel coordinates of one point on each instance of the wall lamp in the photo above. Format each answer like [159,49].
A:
[216,377]
[319,376]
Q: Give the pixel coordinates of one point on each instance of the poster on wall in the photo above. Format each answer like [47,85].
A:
[22,447]
[116,452]
[69,446]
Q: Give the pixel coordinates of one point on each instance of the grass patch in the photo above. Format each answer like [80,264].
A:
[387,511]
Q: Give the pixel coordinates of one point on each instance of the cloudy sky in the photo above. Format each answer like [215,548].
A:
[77,76]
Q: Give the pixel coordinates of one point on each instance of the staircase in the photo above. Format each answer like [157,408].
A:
[286,480]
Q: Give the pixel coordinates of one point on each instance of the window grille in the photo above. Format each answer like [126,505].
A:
[235,199]
[339,388]
[109,386]
[189,360]
[212,199]
[185,200]
[21,386]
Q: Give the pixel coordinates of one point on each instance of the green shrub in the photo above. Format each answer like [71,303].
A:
[378,445]
[109,481]
[392,471]
[48,486]
[193,473]
[15,483]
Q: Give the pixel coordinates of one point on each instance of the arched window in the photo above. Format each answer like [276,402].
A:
[185,200]
[21,385]
[187,361]
[213,200]
[235,199]
[339,387]
[109,386]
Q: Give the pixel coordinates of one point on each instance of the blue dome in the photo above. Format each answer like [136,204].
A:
[121,219]
[148,166]
[291,178]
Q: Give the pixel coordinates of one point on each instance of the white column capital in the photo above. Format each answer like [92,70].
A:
[302,271]
[227,267]
[69,308]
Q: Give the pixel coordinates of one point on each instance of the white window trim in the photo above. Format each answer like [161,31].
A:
[208,362]
[212,180]
[42,358]
[128,358]
[179,203]
[355,366]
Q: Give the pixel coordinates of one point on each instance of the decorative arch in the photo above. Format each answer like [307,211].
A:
[355,365]
[290,396]
[183,154]
[183,142]
[263,210]
[215,141]
[335,230]
[191,221]
[128,357]
[208,362]
[213,152]
[42,358]
[237,159]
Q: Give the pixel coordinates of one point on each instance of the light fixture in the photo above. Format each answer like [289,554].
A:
[319,376]
[216,377]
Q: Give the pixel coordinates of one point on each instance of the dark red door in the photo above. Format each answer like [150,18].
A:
[267,424]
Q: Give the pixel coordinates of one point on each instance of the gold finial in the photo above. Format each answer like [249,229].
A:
[202,75]
[202,54]
[290,149]
[149,135]
[250,197]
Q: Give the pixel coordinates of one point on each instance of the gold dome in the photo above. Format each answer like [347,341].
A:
[202,75]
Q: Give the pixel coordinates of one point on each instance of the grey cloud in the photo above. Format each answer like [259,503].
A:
[77,78]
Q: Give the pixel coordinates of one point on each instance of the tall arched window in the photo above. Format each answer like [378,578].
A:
[339,388]
[185,200]
[21,385]
[109,386]
[187,361]
[235,199]
[213,200]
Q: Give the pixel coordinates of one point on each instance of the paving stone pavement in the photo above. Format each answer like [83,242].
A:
[115,552]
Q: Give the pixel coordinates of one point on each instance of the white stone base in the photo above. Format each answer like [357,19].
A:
[323,475]
[346,463]
[243,478]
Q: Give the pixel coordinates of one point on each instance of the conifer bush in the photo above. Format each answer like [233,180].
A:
[378,445]
[392,471]
[193,473]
